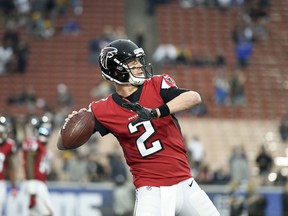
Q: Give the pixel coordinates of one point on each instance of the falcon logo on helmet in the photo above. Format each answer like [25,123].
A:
[107,53]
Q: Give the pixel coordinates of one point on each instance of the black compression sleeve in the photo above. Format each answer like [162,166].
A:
[164,110]
[101,128]
[169,94]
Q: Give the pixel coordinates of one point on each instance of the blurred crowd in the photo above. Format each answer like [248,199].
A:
[242,180]
[26,20]
[238,170]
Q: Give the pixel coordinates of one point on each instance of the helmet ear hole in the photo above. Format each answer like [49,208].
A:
[122,77]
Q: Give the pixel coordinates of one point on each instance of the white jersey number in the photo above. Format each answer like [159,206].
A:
[156,145]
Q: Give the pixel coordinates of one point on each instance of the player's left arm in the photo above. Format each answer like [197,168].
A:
[175,100]
[178,100]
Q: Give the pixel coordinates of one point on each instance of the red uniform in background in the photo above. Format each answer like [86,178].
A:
[7,149]
[34,195]
[41,163]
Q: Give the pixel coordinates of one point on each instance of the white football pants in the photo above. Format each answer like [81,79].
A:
[43,201]
[3,195]
[183,199]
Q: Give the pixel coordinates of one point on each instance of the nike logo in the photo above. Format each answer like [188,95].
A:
[191,183]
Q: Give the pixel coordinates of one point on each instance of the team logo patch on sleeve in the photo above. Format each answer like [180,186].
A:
[167,82]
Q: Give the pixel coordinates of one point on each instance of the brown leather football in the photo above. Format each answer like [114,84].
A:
[78,129]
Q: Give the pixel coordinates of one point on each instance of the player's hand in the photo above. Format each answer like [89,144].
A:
[70,115]
[144,114]
[74,113]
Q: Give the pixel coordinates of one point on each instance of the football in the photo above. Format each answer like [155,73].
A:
[77,130]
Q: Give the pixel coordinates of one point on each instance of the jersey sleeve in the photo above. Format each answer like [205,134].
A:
[101,129]
[167,82]
[98,126]
[169,89]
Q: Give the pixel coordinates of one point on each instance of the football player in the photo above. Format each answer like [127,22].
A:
[141,115]
[7,152]
[36,158]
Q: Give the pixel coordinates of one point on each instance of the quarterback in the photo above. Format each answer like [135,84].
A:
[140,114]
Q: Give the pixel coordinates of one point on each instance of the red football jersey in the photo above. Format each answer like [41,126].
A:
[154,149]
[6,149]
[41,165]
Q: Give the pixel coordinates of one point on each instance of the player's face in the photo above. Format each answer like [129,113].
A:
[136,68]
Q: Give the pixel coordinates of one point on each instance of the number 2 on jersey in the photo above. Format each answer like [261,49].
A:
[156,145]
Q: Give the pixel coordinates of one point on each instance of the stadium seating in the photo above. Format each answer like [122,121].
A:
[208,32]
[64,58]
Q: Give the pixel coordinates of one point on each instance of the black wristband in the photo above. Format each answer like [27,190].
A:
[154,113]
[164,110]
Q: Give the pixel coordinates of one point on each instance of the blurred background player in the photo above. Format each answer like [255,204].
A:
[7,150]
[35,197]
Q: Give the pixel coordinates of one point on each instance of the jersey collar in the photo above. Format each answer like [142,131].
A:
[133,98]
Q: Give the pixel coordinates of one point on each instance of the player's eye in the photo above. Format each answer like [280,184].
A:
[138,68]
